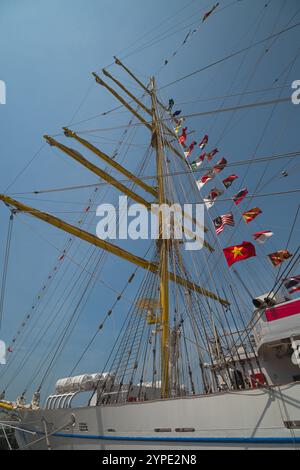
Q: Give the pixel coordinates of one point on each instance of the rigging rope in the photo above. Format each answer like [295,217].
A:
[205,113]
[6,262]
[198,100]
[153,29]
[152,177]
[229,199]
[234,54]
[287,246]
[25,167]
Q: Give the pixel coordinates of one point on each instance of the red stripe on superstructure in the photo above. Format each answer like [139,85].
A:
[283,311]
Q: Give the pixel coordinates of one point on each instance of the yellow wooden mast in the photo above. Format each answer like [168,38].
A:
[163,249]
[118,62]
[124,102]
[138,102]
[136,114]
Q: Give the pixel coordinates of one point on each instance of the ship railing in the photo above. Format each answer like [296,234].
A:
[61,401]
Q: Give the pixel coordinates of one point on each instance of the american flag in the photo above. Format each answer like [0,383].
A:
[223,220]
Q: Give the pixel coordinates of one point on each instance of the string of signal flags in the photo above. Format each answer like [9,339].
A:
[245,250]
[192,32]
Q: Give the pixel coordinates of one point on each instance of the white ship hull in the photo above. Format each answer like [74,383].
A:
[250,419]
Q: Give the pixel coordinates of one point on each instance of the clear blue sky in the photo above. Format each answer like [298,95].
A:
[49,50]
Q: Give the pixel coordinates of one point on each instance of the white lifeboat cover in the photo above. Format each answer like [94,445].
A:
[80,383]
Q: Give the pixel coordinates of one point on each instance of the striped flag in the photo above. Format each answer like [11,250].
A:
[223,220]
[251,215]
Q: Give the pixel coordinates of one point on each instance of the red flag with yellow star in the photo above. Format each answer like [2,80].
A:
[233,254]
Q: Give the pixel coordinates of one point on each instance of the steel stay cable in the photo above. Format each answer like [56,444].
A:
[55,359]
[225,58]
[205,113]
[253,159]
[213,280]
[199,100]
[252,324]
[39,337]
[156,41]
[259,21]
[150,31]
[5,265]
[230,56]
[278,193]
[287,246]
[152,177]
[64,252]
[62,342]
[59,251]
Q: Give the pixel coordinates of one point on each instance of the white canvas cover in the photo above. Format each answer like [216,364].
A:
[81,383]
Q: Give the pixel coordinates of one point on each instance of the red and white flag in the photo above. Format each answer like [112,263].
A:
[190,149]
[294,290]
[205,179]
[262,237]
[212,196]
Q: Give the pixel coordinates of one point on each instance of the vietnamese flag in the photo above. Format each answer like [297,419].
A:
[233,254]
